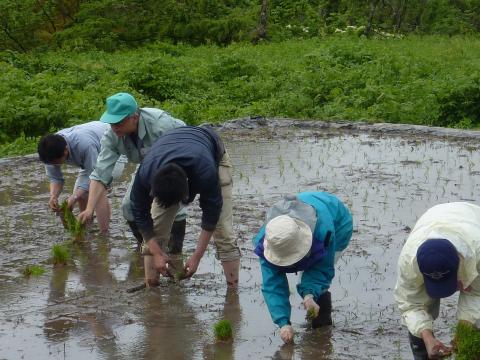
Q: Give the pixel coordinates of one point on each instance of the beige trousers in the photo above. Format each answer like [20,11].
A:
[225,242]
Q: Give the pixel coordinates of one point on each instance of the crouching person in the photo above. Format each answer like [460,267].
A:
[307,232]
[181,164]
[440,257]
[78,146]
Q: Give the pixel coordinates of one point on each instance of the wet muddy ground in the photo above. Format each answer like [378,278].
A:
[387,175]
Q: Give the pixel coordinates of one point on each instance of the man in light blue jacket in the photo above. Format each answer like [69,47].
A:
[306,233]
[78,146]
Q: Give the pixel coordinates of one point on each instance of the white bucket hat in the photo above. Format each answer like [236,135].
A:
[287,240]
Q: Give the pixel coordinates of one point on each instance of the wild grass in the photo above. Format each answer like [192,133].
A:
[429,80]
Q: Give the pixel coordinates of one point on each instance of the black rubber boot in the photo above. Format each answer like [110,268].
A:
[418,347]
[324,316]
[136,233]
[177,234]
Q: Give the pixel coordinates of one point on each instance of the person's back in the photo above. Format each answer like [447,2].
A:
[196,149]
[440,257]
[83,138]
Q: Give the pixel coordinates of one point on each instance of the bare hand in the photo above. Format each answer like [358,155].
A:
[161,263]
[436,349]
[191,266]
[53,203]
[72,199]
[286,333]
[85,216]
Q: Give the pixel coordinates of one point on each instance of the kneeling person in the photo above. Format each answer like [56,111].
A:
[181,164]
[308,233]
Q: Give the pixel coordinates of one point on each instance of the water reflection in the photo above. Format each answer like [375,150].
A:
[170,325]
[225,350]
[72,284]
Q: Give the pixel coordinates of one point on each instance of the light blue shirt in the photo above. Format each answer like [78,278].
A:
[83,144]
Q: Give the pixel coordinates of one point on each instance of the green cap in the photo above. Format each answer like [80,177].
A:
[119,106]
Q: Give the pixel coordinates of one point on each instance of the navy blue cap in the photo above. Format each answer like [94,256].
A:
[438,262]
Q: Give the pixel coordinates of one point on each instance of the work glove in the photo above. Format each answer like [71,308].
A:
[311,306]
[286,333]
[338,255]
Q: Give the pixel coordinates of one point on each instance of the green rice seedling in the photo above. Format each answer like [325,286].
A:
[223,330]
[179,275]
[33,270]
[311,314]
[467,339]
[73,226]
[60,254]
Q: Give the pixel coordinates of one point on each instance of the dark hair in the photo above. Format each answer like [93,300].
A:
[170,185]
[51,147]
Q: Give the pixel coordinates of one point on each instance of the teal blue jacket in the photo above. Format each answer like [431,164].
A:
[333,217]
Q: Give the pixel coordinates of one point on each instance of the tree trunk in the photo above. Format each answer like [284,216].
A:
[400,15]
[47,16]
[418,18]
[373,9]
[261,31]
[6,30]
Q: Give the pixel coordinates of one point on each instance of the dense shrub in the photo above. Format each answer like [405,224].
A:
[110,25]
[416,80]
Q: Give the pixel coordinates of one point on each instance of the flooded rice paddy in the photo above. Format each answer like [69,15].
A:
[387,177]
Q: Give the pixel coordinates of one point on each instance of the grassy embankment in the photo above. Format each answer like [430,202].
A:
[416,80]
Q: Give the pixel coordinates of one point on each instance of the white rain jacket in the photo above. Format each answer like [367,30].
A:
[459,222]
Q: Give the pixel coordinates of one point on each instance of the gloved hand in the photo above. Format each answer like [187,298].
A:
[311,306]
[286,333]
[338,255]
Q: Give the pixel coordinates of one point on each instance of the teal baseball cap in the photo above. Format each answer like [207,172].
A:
[119,106]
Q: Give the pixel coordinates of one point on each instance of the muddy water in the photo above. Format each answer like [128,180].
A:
[82,311]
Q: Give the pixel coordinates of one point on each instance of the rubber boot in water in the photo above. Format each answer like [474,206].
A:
[136,233]
[418,347]
[324,316]
[177,234]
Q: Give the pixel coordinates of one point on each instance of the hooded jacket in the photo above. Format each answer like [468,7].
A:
[458,222]
[332,226]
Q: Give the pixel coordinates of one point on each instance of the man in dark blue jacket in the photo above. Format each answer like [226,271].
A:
[182,163]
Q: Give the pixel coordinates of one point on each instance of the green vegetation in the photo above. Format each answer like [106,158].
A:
[111,25]
[311,314]
[179,275]
[312,59]
[73,226]
[60,255]
[416,80]
[468,342]
[223,330]
[33,270]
